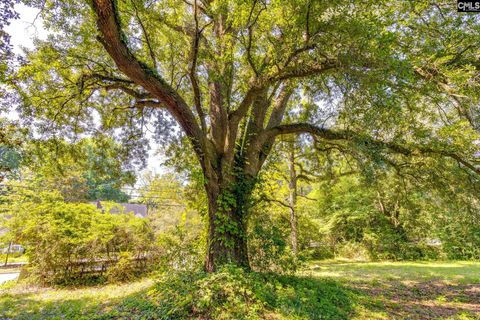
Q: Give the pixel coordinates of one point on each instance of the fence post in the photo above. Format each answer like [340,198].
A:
[8,251]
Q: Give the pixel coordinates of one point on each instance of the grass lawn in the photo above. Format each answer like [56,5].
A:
[25,302]
[407,290]
[348,290]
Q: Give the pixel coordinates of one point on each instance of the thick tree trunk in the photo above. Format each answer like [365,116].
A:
[227,228]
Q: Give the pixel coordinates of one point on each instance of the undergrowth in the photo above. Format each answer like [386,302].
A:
[232,293]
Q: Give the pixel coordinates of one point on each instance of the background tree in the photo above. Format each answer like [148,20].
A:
[7,14]
[86,170]
[12,145]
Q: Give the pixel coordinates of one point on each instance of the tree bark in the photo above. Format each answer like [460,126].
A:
[227,226]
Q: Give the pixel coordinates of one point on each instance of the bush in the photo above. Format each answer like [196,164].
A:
[65,241]
[179,249]
[228,294]
[123,270]
[268,249]
[233,293]
[353,251]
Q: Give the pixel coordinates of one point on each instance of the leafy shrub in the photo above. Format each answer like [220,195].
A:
[353,251]
[268,248]
[228,294]
[179,249]
[233,293]
[65,241]
[459,232]
[123,270]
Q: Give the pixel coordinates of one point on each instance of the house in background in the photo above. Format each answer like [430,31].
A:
[139,210]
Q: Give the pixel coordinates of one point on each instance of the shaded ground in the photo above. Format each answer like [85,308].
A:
[325,290]
[408,290]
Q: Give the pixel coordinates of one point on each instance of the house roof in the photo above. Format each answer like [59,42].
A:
[139,210]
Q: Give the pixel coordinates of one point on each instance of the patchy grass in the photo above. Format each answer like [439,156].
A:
[26,302]
[325,290]
[458,272]
[13,258]
[407,290]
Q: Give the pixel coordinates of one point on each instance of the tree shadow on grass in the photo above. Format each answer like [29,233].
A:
[308,297]
[22,301]
[423,300]
[286,297]
[281,297]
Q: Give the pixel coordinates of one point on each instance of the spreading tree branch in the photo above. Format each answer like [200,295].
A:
[145,34]
[351,136]
[114,41]
[193,70]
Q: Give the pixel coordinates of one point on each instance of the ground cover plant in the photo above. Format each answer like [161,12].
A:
[324,290]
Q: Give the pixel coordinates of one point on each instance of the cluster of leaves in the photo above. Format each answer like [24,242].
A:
[181,246]
[363,204]
[59,236]
[7,14]
[12,143]
[87,170]
[268,247]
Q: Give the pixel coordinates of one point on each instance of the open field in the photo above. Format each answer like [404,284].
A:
[346,290]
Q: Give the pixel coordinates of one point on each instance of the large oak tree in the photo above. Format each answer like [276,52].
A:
[388,80]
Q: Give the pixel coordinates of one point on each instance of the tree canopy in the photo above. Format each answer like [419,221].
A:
[391,84]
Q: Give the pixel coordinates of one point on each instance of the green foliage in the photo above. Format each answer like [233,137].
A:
[179,228]
[270,221]
[352,250]
[223,295]
[268,248]
[381,220]
[87,170]
[12,143]
[61,239]
[362,291]
[459,230]
[179,249]
[7,14]
[232,293]
[389,86]
[124,269]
